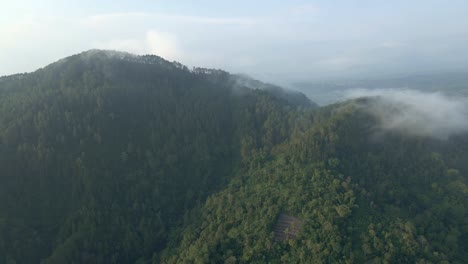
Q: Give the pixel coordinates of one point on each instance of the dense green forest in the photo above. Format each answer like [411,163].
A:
[109,157]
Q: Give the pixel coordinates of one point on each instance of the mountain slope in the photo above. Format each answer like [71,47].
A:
[392,200]
[103,152]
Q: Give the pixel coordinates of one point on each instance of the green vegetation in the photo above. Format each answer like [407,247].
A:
[107,157]
[394,200]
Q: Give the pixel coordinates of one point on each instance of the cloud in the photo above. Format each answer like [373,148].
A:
[163,44]
[417,113]
[129,45]
[154,42]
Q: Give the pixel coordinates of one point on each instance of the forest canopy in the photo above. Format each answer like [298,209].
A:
[109,157]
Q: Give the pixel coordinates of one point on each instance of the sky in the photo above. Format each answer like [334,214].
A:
[276,41]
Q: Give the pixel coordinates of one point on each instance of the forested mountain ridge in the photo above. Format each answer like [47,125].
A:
[102,152]
[109,157]
[363,196]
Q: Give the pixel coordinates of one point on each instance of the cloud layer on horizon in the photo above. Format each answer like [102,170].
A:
[276,42]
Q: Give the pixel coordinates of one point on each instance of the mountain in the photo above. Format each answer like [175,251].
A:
[103,152]
[109,157]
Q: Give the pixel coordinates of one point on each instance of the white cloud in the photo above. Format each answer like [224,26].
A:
[163,44]
[129,45]
[417,113]
[154,42]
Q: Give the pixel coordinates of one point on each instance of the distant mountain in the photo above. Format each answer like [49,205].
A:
[326,92]
[109,157]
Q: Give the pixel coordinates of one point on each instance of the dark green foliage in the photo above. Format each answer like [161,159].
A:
[102,153]
[363,197]
[107,157]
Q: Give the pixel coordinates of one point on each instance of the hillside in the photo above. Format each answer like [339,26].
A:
[103,152]
[109,157]
[361,199]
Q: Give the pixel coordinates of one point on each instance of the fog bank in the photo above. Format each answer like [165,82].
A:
[417,113]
